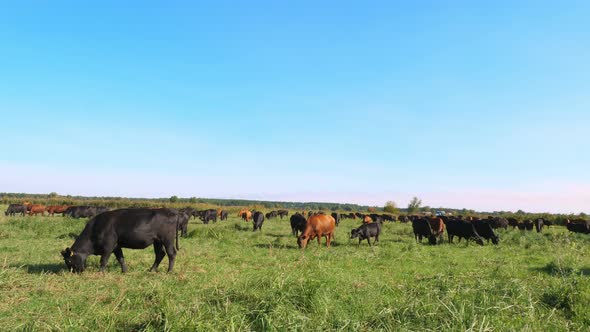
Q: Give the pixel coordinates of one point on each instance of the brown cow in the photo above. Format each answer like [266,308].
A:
[316,227]
[367,220]
[438,227]
[36,209]
[52,209]
[247,215]
[242,211]
[219,212]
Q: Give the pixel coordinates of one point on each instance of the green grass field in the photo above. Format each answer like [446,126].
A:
[229,278]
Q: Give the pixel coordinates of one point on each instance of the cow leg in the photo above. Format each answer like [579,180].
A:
[171,252]
[328,240]
[159,252]
[119,254]
[369,240]
[104,259]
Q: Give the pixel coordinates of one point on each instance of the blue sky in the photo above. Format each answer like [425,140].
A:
[480,105]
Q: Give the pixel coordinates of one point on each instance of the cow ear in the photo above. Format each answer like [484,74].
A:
[67,252]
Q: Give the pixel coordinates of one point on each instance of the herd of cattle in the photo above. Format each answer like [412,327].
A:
[107,232]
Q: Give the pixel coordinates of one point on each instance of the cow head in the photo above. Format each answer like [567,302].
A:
[432,239]
[354,233]
[495,239]
[479,240]
[75,262]
[302,241]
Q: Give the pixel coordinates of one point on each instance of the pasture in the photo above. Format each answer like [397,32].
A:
[229,278]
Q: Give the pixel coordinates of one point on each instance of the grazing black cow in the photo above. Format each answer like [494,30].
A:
[513,222]
[462,229]
[13,209]
[271,214]
[388,217]
[421,229]
[101,209]
[257,220]
[224,215]
[367,231]
[111,231]
[359,215]
[283,213]
[539,224]
[484,229]
[78,212]
[498,222]
[298,223]
[336,217]
[208,215]
[189,210]
[578,226]
[528,225]
[403,219]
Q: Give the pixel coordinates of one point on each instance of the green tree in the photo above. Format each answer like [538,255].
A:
[414,205]
[391,207]
[53,194]
[192,200]
[174,199]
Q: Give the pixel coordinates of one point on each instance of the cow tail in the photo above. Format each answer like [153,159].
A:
[177,224]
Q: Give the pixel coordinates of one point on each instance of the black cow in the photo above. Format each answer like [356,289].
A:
[271,214]
[498,222]
[257,220]
[578,226]
[224,215]
[283,213]
[484,229]
[388,217]
[111,231]
[208,215]
[183,218]
[77,212]
[528,225]
[403,219]
[421,229]
[100,209]
[298,223]
[367,231]
[539,224]
[13,209]
[462,229]
[513,222]
[190,211]
[336,217]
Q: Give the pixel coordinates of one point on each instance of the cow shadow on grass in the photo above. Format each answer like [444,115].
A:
[279,235]
[554,269]
[243,228]
[310,246]
[41,268]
